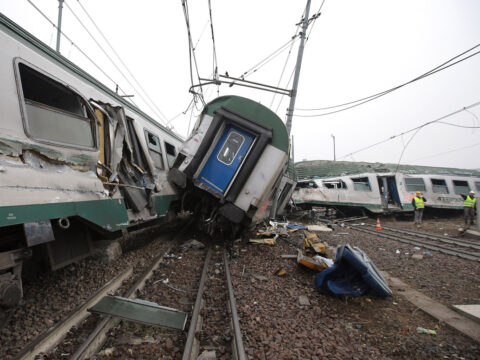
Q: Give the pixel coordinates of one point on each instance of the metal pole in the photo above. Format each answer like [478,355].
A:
[59,23]
[334,155]
[293,95]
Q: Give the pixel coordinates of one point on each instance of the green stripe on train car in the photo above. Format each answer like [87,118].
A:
[109,214]
[162,203]
[254,111]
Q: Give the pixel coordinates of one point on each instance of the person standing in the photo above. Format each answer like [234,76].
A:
[418,203]
[469,204]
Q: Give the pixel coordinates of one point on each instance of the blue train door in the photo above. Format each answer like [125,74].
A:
[226,158]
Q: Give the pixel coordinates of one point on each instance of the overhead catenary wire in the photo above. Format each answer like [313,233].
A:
[162,115]
[410,130]
[447,64]
[445,152]
[191,50]
[77,47]
[157,112]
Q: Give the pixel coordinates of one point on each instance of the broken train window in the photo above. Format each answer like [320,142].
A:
[53,112]
[439,186]
[155,150]
[171,153]
[334,184]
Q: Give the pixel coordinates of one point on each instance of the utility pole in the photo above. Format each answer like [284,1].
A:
[334,156]
[59,23]
[293,96]
[293,93]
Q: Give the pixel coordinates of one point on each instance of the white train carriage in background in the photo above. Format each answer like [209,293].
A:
[381,188]
[234,162]
[74,157]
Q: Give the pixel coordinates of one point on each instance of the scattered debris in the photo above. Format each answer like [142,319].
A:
[417,257]
[260,277]
[303,300]
[207,355]
[288,256]
[106,352]
[312,242]
[422,330]
[314,262]
[141,311]
[269,241]
[281,272]
[318,228]
[192,244]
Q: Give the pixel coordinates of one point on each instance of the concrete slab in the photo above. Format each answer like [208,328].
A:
[439,311]
[471,311]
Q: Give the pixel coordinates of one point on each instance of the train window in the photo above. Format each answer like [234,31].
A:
[477,185]
[230,148]
[461,187]
[361,184]
[334,184]
[155,150]
[171,153]
[306,184]
[439,186]
[415,184]
[54,112]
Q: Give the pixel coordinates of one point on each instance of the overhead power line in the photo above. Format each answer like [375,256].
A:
[156,112]
[446,152]
[413,129]
[355,103]
[77,47]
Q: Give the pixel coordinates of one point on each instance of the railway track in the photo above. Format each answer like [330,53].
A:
[464,249]
[199,333]
[214,315]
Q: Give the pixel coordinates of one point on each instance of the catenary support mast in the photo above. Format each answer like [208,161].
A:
[293,97]
[59,24]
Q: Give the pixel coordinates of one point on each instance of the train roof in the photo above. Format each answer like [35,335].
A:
[327,168]
[254,111]
[22,35]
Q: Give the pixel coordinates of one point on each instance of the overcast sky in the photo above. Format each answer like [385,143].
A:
[355,49]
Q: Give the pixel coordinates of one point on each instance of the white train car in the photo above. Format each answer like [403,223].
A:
[74,157]
[381,188]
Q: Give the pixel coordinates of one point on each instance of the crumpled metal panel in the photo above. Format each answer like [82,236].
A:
[140,311]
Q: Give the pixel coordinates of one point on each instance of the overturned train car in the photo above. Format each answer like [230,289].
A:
[77,161]
[233,164]
[381,188]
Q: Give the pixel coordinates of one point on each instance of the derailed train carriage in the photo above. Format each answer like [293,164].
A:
[79,163]
[381,188]
[232,167]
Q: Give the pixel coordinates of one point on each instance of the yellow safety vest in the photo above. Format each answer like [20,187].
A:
[418,203]
[469,202]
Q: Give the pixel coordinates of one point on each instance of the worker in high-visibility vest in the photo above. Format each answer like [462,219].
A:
[418,203]
[469,205]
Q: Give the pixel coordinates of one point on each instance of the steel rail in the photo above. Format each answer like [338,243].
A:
[46,341]
[238,342]
[421,243]
[445,239]
[187,353]
[98,336]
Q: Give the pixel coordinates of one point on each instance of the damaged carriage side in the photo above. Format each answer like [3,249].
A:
[77,161]
[232,165]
